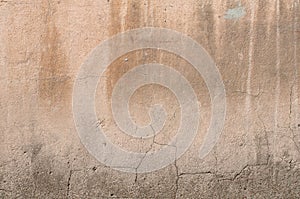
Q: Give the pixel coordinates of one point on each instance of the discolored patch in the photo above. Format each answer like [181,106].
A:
[54,84]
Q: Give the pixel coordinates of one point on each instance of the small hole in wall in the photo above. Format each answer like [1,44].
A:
[299,125]
[112,194]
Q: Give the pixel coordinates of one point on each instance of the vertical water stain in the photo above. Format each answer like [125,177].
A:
[120,21]
[207,26]
[115,20]
[54,84]
[133,17]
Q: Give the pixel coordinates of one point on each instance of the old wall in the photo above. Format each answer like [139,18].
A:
[255,46]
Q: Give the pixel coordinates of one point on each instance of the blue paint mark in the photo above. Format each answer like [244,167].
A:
[235,13]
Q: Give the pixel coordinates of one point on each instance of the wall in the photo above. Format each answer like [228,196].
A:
[255,46]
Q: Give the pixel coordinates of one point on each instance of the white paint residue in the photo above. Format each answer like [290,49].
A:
[235,13]
[250,60]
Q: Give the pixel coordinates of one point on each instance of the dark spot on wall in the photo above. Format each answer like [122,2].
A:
[46,181]
[36,148]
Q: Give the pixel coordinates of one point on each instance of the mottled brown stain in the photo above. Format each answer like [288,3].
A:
[133,17]
[125,63]
[54,84]
[115,19]
[132,20]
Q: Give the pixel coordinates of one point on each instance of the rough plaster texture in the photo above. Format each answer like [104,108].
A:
[255,45]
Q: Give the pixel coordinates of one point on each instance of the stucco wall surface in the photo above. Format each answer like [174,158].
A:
[255,46]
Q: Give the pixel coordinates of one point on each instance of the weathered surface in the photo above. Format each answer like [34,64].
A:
[254,45]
